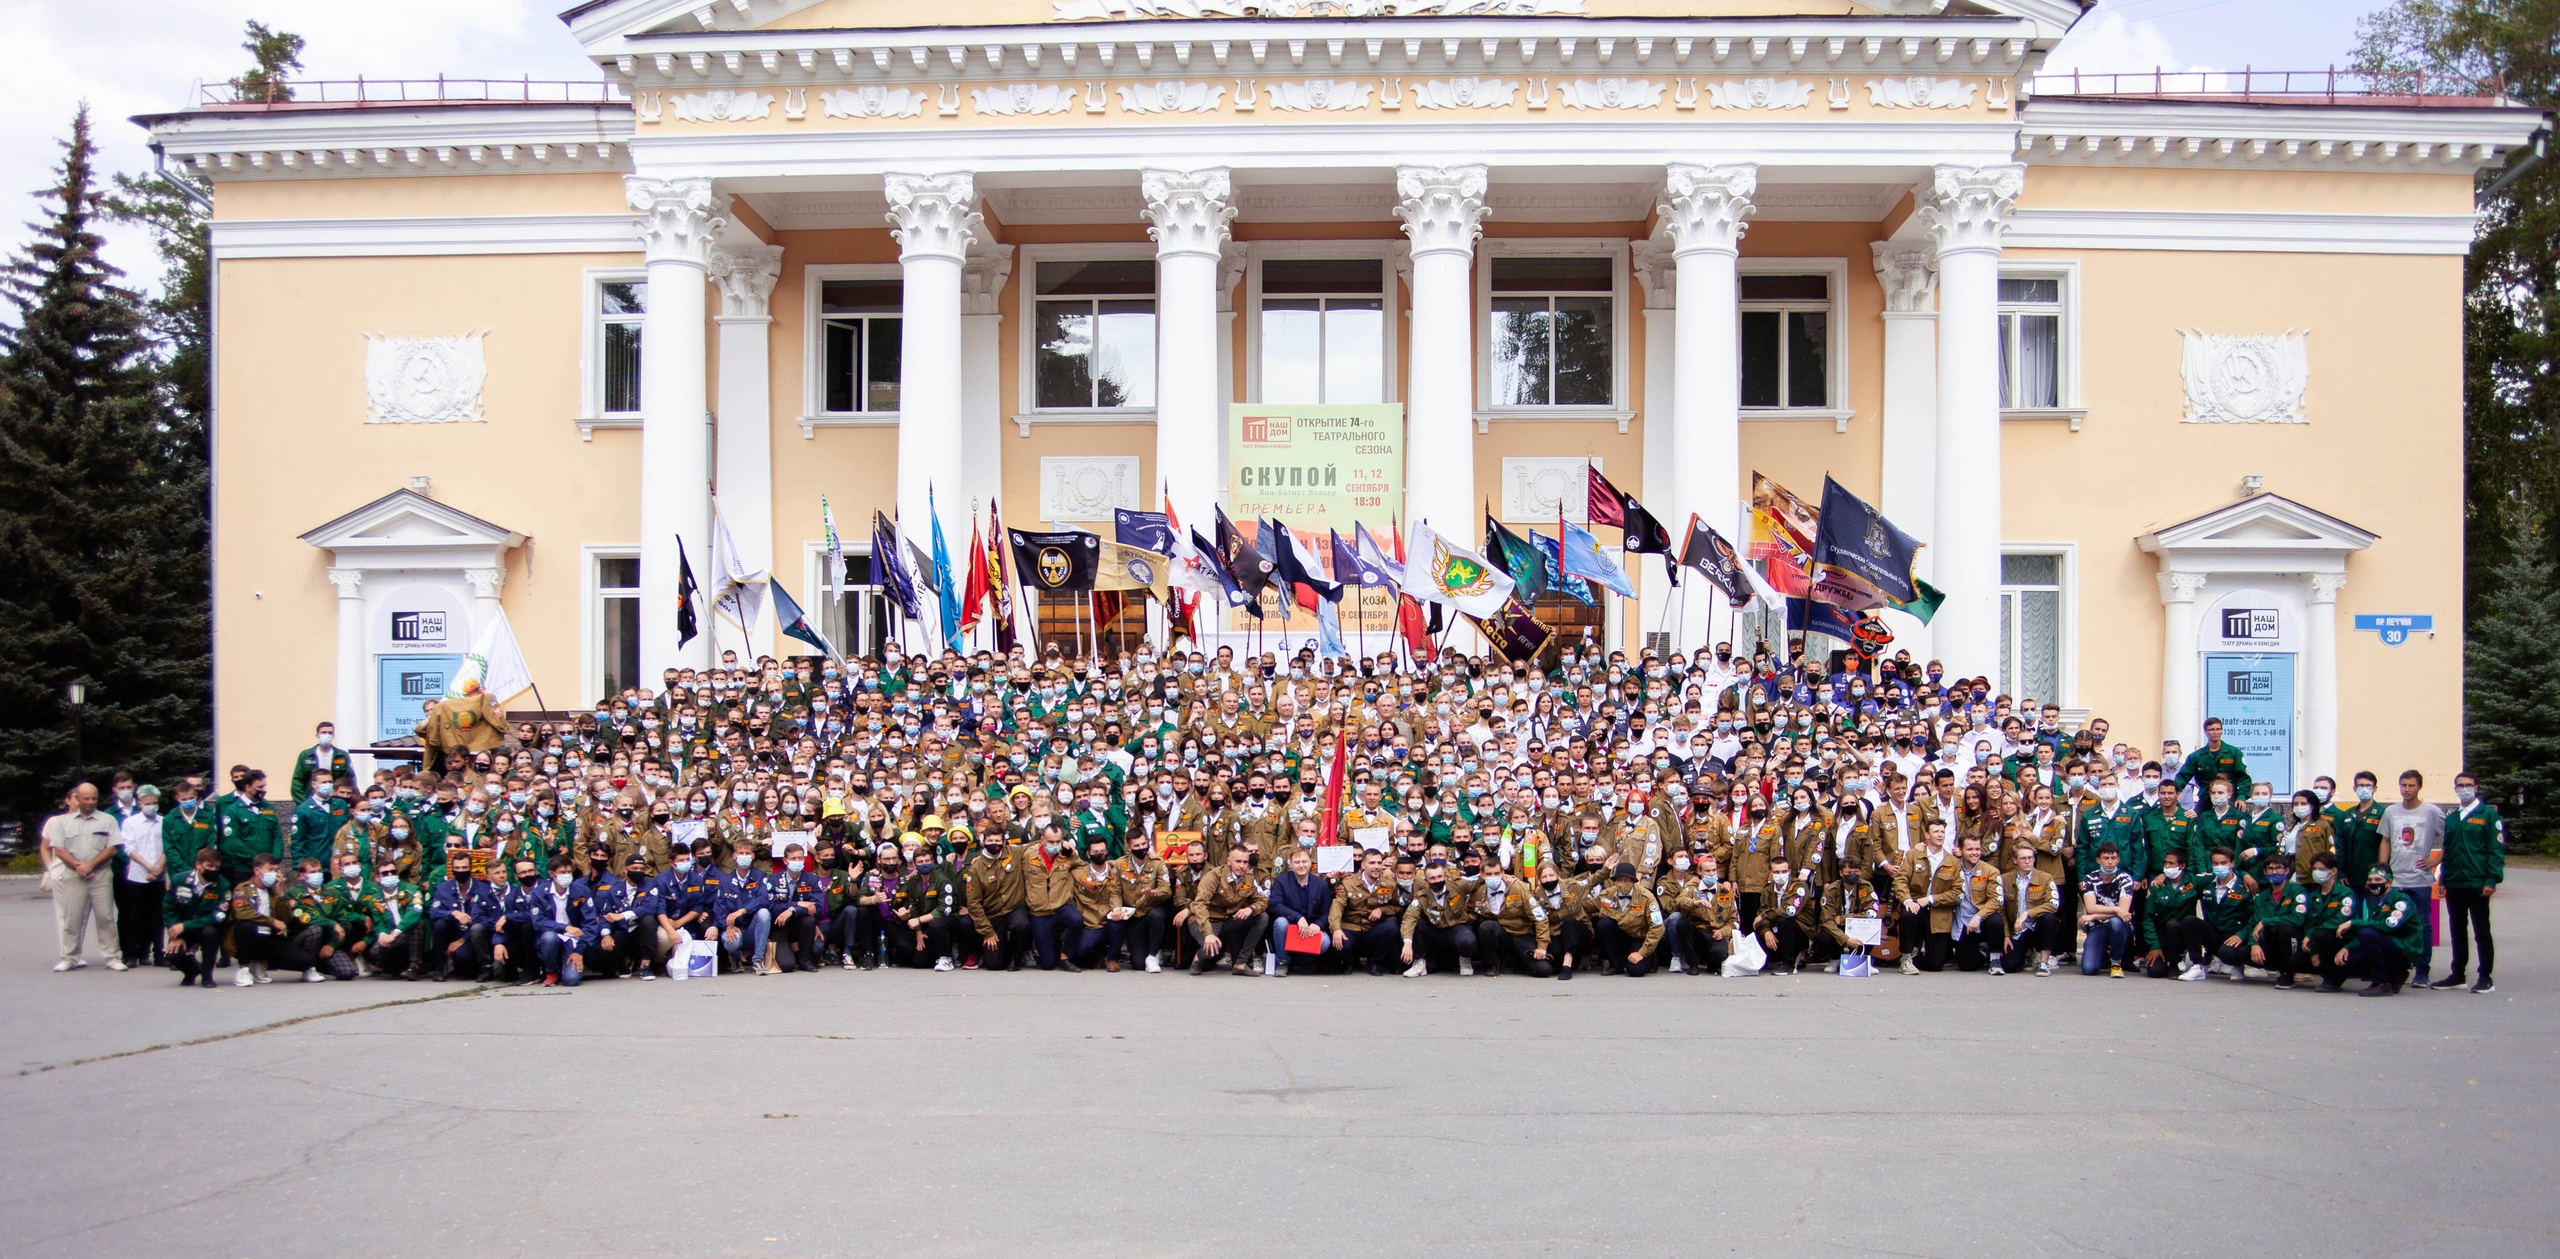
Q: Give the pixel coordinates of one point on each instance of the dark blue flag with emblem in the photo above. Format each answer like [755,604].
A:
[686,627]
[1860,561]
[889,567]
[1245,565]
[1145,530]
[1054,562]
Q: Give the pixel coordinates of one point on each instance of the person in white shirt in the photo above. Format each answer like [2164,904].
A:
[78,846]
[144,881]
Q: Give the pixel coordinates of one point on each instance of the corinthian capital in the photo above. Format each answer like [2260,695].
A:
[1442,207]
[746,274]
[1188,210]
[1967,207]
[982,277]
[1658,269]
[1909,273]
[1705,208]
[677,217]
[934,216]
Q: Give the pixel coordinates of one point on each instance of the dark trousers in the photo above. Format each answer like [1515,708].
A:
[2045,933]
[1973,952]
[904,949]
[800,933]
[2372,956]
[196,949]
[1378,943]
[1145,933]
[2182,941]
[402,952]
[1097,941]
[860,931]
[1236,937]
[460,948]
[327,946]
[1520,953]
[2275,941]
[1045,929]
[1615,944]
[1570,942]
[635,948]
[1013,940]
[1784,939]
[1746,908]
[523,953]
[1936,949]
[271,949]
[1700,950]
[138,932]
[1443,946]
[2462,905]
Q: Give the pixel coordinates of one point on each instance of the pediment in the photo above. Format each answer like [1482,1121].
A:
[2261,522]
[410,521]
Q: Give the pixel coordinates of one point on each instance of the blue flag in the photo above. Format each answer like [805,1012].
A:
[889,567]
[1582,558]
[793,622]
[1574,587]
[1329,632]
[1228,587]
[944,587]
[1353,567]
[1145,530]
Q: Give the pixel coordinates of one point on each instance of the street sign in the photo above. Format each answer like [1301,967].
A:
[2395,627]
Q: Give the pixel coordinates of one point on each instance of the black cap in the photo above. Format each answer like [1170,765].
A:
[1626,870]
[636,859]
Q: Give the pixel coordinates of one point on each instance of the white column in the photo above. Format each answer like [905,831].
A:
[742,444]
[486,585]
[1653,265]
[352,713]
[1231,260]
[935,218]
[676,227]
[982,280]
[2320,680]
[1967,210]
[1187,213]
[1443,209]
[2180,688]
[1909,273]
[1704,209]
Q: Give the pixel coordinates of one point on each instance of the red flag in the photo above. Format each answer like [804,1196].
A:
[973,600]
[1409,617]
[1329,826]
[1605,509]
[999,580]
[1106,609]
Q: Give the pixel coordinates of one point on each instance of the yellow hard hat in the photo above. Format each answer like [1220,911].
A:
[934,822]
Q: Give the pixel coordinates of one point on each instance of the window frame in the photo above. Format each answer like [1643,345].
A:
[1836,273]
[824,596]
[1620,326]
[2066,621]
[1026,333]
[2067,371]
[591,412]
[1390,292]
[592,591]
[813,345]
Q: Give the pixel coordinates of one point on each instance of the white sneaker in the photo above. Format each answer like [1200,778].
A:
[942,963]
[1466,966]
[1420,967]
[848,962]
[1154,967]
[117,963]
[2045,967]
[647,975]
[1909,967]
[1677,968]
[2191,974]
[244,979]
[312,976]
[64,967]
[1998,969]
[259,969]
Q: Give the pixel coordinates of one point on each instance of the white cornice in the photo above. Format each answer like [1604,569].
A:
[2229,231]
[378,140]
[2082,131]
[413,237]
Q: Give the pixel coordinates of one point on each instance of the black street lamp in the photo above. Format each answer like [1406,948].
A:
[79,696]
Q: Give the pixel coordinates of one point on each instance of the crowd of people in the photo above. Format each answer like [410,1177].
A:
[1716,814]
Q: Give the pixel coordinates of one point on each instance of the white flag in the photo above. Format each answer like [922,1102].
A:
[498,661]
[736,590]
[1442,571]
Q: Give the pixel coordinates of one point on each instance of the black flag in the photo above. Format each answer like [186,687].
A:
[1251,571]
[685,589]
[1706,551]
[1056,561]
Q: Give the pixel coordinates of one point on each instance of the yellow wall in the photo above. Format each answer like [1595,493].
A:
[437,196]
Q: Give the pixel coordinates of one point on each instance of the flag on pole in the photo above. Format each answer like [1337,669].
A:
[1582,558]
[889,566]
[686,627]
[1064,560]
[1120,567]
[1444,572]
[1860,560]
[1145,530]
[1329,633]
[1202,570]
[973,596]
[1353,567]
[794,623]
[946,589]
[1245,564]
[1329,819]
[1706,551]
[1925,605]
[1782,529]
[736,590]
[1610,505]
[1008,610]
[494,666]
[1552,556]
[1410,619]
[1518,557]
[835,543]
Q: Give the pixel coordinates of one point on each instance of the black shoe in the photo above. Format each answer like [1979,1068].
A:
[1199,964]
[206,979]
[1372,967]
[2326,986]
[2450,981]
[2284,981]
[1564,972]
[2485,986]
[1015,964]
[2380,990]
[1068,964]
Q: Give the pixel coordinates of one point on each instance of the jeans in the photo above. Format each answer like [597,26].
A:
[1044,934]
[1280,941]
[745,941]
[559,958]
[2108,939]
[138,919]
[1097,942]
[460,948]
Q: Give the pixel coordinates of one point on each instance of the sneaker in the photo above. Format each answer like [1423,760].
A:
[969,964]
[1910,967]
[313,976]
[2115,972]
[646,975]
[2485,986]
[2044,967]
[2326,986]
[63,967]
[2449,981]
[1466,966]
[259,969]
[1998,969]
[849,962]
[2380,990]
[2284,981]
[1677,968]
[1153,967]
[243,979]
[1420,967]
[942,963]
[551,981]
[2192,973]
[117,963]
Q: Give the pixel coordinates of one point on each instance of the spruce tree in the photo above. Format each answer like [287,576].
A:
[102,520]
[2511,667]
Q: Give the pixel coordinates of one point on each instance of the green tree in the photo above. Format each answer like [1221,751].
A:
[102,538]
[277,53]
[2511,722]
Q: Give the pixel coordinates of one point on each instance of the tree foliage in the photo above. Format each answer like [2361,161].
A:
[277,54]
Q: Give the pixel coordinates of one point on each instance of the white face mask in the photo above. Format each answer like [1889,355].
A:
[560,881]
[351,873]
[746,859]
[2364,794]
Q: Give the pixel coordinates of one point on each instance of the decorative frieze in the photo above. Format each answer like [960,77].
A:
[2246,379]
[1760,92]
[1087,488]
[871,100]
[721,104]
[1921,91]
[424,380]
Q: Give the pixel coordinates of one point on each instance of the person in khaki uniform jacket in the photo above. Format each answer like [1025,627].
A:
[2031,906]
[1628,922]
[1227,915]
[1048,883]
[1932,889]
[2048,831]
[1093,913]
[1146,894]
[1439,923]
[1789,918]
[1368,913]
[993,887]
[1525,926]
[1707,913]
[1747,861]
[1852,897]
[1637,840]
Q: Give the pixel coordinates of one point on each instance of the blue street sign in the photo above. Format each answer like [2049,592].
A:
[2395,627]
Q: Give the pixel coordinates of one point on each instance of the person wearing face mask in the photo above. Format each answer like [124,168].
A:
[1853,914]
[2475,863]
[686,893]
[1090,924]
[561,910]
[261,937]
[141,882]
[2216,760]
[1366,914]
[1438,926]
[2226,902]
[246,824]
[1705,911]
[2355,830]
[995,887]
[350,904]
[2261,829]
[626,908]
[299,900]
[1226,915]
[796,894]
[197,911]
[2168,829]
[1048,884]
[2175,939]
[2278,916]
[322,761]
[1788,917]
[2031,905]
[462,916]
[1146,894]
[2107,909]
[743,916]
[515,954]
[2332,907]
[2381,940]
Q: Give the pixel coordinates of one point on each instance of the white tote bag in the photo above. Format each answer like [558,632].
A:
[1747,957]
[692,958]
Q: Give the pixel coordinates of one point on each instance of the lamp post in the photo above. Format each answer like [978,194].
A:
[79,696]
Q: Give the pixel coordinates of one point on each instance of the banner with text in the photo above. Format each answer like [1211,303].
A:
[1314,467]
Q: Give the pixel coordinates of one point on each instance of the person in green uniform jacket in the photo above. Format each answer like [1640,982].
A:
[2168,830]
[322,755]
[195,910]
[2333,902]
[1103,816]
[2475,863]
[2385,936]
[2260,835]
[350,907]
[245,825]
[2216,759]
[317,820]
[187,826]
[2173,937]
[2217,824]
[2355,828]
[2227,911]
[2276,920]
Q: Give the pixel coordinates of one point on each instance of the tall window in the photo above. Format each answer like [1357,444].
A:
[618,615]
[2030,341]
[2031,627]
[621,305]
[1323,330]
[859,321]
[1786,341]
[859,616]
[1552,332]
[1095,327]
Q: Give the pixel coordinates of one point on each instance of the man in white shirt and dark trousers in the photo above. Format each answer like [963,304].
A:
[79,853]
[142,881]
[2413,837]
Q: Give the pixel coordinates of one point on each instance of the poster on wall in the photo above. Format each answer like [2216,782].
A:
[2253,695]
[405,686]
[419,619]
[1315,467]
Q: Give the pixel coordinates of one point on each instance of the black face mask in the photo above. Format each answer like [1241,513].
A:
[525,880]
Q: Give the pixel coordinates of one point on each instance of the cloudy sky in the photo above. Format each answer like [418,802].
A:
[126,57]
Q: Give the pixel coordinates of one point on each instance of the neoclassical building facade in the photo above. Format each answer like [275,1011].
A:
[2165,373]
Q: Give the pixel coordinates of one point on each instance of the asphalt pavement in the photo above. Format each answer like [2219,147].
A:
[926,1114]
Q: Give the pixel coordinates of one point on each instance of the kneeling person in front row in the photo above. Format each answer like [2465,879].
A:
[2032,903]
[1226,915]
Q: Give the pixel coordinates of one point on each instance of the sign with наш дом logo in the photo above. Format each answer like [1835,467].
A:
[419,619]
[2395,627]
[2253,697]
[405,685]
[2250,627]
